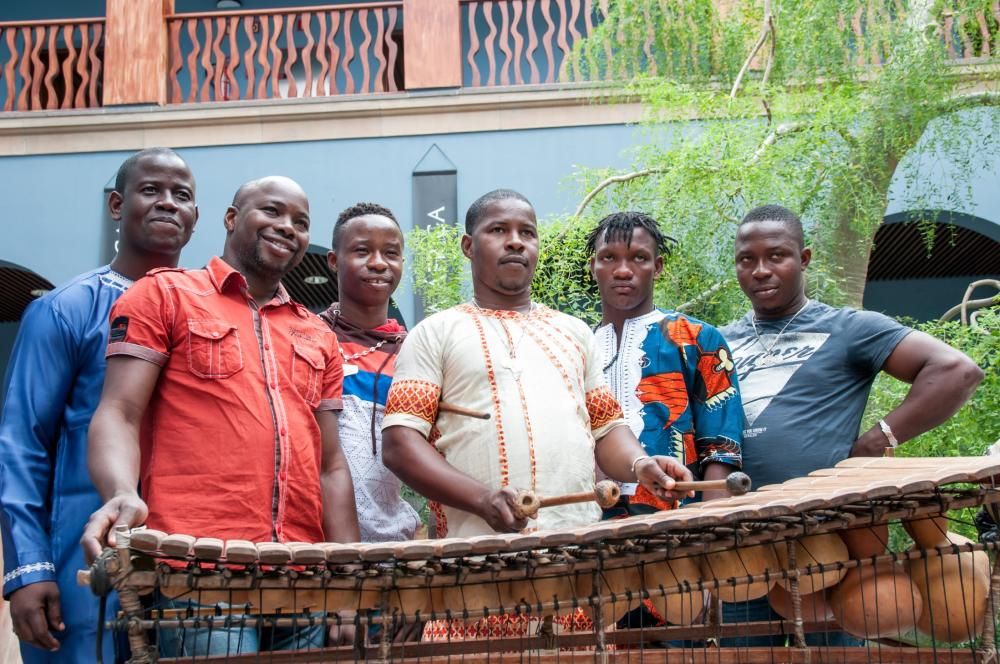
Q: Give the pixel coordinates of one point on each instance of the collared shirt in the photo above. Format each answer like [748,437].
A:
[230,443]
[673,376]
[538,375]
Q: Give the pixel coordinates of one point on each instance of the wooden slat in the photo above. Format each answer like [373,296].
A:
[380,73]
[67,67]
[177,545]
[363,51]
[146,540]
[561,39]
[192,59]
[392,49]
[575,35]
[240,552]
[307,53]
[23,101]
[505,30]
[532,41]
[488,43]
[293,56]
[80,100]
[550,72]
[324,64]
[219,66]
[51,101]
[262,59]
[276,56]
[208,548]
[248,58]
[345,64]
[206,60]
[334,52]
[233,59]
[9,67]
[176,61]
[473,45]
[95,66]
[515,29]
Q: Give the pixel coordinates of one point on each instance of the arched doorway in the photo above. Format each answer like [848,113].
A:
[909,276]
[18,287]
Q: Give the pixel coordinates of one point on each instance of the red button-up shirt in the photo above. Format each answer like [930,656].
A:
[230,443]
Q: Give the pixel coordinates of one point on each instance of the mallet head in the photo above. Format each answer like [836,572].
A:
[737,483]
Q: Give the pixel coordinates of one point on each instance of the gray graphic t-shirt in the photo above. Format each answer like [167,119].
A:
[804,393]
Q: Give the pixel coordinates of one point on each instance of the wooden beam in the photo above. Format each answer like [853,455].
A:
[432,44]
[135,52]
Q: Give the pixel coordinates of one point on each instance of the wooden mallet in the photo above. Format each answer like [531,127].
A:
[527,503]
[736,484]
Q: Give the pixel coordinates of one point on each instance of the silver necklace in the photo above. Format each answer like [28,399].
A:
[753,321]
[360,354]
[511,363]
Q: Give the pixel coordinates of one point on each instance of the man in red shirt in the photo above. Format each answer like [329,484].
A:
[221,397]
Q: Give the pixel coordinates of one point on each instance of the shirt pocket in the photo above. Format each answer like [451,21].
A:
[214,349]
[308,366]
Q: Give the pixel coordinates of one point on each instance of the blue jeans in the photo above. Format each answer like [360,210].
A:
[759,610]
[235,639]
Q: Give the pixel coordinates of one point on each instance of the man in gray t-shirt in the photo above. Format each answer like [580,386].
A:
[815,370]
[805,371]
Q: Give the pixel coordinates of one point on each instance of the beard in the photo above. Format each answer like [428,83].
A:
[254,262]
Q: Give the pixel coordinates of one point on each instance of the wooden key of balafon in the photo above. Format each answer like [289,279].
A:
[736,484]
[527,503]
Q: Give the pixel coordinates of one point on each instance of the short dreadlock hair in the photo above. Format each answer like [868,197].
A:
[359,210]
[779,214]
[619,226]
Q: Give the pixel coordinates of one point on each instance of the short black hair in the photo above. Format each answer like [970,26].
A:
[479,206]
[121,178]
[360,210]
[779,214]
[619,226]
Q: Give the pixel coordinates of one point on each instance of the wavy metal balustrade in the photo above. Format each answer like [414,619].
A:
[522,42]
[49,65]
[286,53]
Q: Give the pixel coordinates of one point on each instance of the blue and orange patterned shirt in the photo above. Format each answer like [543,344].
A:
[673,376]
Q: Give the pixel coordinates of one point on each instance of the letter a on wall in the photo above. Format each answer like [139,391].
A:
[435,197]
[435,190]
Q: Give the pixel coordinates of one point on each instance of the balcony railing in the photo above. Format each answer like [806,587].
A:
[281,54]
[518,42]
[48,65]
[353,49]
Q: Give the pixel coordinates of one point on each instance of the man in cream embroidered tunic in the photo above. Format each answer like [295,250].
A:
[537,373]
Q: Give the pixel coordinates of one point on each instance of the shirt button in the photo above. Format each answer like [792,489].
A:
[215,335]
[267,347]
[282,432]
[282,476]
[273,385]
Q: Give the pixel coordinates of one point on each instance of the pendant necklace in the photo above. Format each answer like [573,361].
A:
[511,363]
[767,349]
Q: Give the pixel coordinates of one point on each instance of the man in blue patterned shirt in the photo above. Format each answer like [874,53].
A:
[53,386]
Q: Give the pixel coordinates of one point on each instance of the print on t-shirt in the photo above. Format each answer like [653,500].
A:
[763,374]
